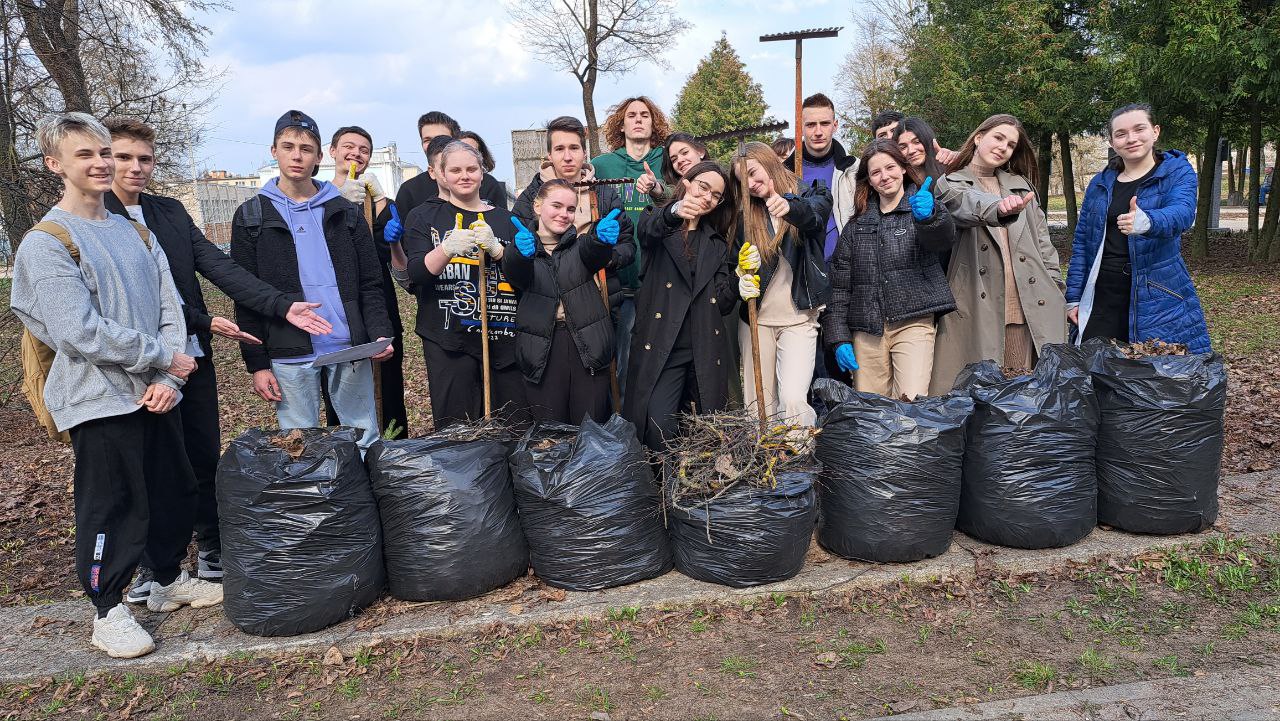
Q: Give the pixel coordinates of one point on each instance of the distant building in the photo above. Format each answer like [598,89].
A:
[223,177]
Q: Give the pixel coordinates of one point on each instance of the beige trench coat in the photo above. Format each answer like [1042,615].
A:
[975,330]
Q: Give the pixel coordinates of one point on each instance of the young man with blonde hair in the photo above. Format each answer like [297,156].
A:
[97,290]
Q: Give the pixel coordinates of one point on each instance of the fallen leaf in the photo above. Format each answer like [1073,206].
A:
[333,657]
[827,660]
[554,594]
[515,609]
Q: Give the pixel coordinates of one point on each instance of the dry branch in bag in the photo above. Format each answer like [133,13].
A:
[717,451]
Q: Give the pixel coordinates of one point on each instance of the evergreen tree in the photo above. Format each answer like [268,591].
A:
[720,95]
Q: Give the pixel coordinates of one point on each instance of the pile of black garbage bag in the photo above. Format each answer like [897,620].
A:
[891,470]
[449,523]
[301,541]
[589,505]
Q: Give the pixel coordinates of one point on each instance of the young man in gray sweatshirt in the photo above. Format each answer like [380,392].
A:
[114,321]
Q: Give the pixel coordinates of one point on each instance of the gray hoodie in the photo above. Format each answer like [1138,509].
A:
[114,321]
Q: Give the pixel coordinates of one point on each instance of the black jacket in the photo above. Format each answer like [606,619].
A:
[607,199]
[422,187]
[843,160]
[189,252]
[268,252]
[677,291]
[886,269]
[803,249]
[567,275]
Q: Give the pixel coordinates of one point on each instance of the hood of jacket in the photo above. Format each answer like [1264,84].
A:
[288,207]
[842,158]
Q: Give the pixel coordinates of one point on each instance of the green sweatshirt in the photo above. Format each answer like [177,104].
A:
[620,165]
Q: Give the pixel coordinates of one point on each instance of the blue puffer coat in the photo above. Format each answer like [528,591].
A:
[1163,302]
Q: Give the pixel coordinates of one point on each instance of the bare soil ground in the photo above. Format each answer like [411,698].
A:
[1180,612]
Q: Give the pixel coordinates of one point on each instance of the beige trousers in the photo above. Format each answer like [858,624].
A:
[786,365]
[899,362]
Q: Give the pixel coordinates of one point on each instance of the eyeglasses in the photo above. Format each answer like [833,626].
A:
[706,190]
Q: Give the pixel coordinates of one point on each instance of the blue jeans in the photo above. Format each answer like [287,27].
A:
[350,388]
[622,339]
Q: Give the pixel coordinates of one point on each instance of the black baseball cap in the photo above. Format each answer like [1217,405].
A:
[299,119]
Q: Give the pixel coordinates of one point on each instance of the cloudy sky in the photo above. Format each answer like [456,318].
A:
[382,63]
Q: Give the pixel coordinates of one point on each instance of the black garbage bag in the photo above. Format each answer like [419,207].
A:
[1029,479]
[449,524]
[589,506]
[1159,439]
[890,485]
[301,542]
[747,536]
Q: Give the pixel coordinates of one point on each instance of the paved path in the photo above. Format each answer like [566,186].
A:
[1245,694]
[53,639]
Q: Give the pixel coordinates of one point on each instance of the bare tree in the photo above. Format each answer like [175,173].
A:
[868,74]
[590,38]
[138,58]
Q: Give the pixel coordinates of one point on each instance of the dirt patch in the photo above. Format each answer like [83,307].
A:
[1172,613]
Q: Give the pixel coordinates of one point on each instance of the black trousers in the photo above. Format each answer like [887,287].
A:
[674,392]
[134,494]
[456,383]
[203,439]
[1109,317]
[569,392]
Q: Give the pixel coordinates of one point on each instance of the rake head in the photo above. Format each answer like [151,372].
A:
[603,181]
[803,34]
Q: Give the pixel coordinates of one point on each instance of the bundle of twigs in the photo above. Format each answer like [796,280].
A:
[717,451]
[492,428]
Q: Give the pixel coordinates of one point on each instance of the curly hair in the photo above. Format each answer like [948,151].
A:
[613,134]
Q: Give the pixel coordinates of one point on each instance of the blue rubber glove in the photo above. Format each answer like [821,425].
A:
[393,231]
[922,201]
[845,358]
[526,242]
[607,228]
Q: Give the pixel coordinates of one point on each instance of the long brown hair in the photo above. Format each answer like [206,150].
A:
[753,215]
[1021,162]
[616,138]
[719,218]
[862,178]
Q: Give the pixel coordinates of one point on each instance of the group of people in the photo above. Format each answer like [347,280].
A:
[893,269]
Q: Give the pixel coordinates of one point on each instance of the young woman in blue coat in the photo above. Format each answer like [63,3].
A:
[1127,280]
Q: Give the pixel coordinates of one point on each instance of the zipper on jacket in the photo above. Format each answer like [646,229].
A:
[1153,284]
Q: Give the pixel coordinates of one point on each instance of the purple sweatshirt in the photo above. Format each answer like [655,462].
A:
[315,268]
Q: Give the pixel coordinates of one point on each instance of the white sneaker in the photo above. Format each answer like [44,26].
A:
[121,636]
[184,591]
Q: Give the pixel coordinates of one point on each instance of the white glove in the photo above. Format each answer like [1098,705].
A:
[372,186]
[486,239]
[749,287]
[459,241]
[353,190]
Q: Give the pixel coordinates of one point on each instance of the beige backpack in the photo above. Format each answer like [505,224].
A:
[37,358]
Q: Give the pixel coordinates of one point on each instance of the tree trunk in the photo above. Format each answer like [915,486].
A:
[1269,246]
[53,29]
[1068,178]
[1255,173]
[1200,233]
[1231,174]
[1045,162]
[589,78]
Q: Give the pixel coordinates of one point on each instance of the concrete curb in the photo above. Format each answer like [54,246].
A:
[38,641]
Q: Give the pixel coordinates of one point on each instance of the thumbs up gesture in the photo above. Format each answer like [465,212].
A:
[485,237]
[1013,204]
[525,240]
[922,201]
[459,241]
[777,205]
[607,228]
[1135,221]
[647,182]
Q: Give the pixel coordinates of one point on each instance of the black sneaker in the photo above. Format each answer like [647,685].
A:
[140,591]
[211,565]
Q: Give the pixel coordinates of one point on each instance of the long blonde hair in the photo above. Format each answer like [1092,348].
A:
[753,215]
